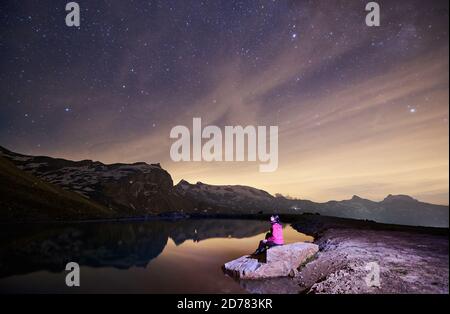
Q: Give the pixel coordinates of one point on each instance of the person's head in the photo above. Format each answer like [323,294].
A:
[274,219]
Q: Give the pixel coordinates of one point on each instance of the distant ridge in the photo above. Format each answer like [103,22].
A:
[394,209]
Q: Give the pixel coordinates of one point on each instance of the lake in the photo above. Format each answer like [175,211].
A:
[183,256]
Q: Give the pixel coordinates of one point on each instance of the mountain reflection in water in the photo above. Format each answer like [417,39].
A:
[147,257]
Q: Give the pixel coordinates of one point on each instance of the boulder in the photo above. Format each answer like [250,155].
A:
[280,261]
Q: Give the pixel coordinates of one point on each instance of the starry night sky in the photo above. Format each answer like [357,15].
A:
[360,110]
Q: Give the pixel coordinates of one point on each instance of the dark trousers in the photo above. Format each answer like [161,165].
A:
[265,244]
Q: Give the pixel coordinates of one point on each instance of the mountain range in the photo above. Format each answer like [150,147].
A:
[45,188]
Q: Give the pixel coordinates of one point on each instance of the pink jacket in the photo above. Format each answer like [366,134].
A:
[277,234]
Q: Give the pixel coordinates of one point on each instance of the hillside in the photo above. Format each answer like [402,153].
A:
[26,198]
[131,189]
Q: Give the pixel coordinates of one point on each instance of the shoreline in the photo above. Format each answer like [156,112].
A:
[409,260]
[313,224]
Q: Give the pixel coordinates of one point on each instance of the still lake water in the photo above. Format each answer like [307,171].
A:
[182,256]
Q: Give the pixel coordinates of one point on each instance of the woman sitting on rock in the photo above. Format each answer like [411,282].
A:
[273,238]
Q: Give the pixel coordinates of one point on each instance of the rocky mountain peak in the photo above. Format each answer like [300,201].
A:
[400,197]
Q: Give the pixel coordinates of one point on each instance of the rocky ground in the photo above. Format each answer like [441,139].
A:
[408,263]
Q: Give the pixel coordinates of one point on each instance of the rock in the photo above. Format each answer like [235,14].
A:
[293,272]
[281,261]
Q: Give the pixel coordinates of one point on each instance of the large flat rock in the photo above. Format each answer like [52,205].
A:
[280,262]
